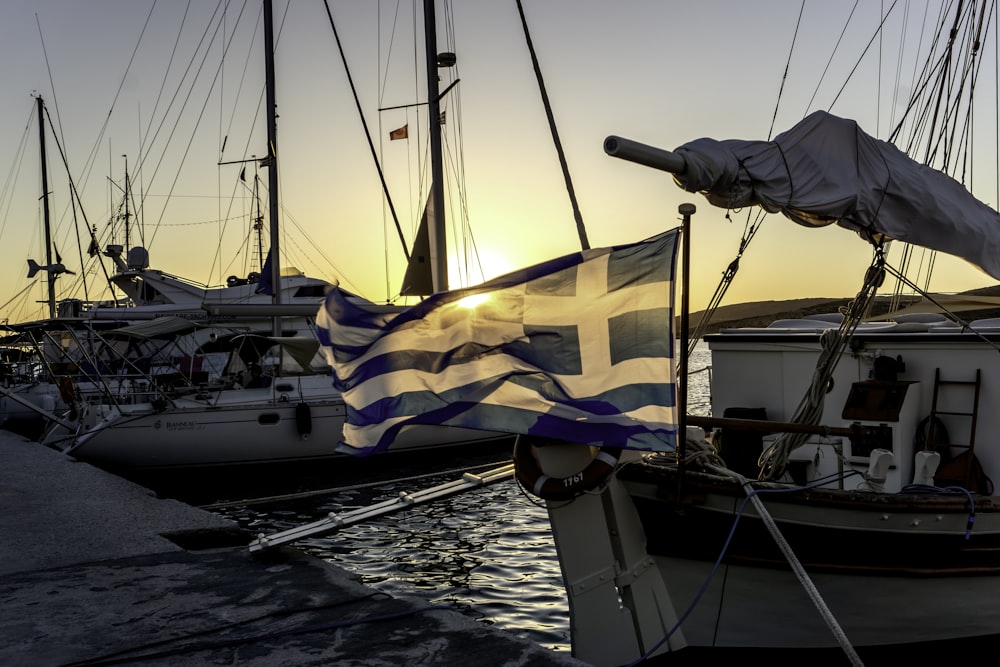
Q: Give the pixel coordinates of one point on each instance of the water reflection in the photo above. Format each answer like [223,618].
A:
[488,552]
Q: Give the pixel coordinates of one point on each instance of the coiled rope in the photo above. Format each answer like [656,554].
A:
[774,460]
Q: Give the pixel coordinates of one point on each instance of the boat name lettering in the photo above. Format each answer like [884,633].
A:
[183,426]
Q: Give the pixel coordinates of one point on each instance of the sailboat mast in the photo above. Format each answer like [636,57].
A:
[127,240]
[45,207]
[436,226]
[272,159]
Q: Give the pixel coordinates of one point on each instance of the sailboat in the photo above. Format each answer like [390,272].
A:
[68,345]
[230,417]
[840,500]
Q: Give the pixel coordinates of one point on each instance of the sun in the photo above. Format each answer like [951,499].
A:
[494,264]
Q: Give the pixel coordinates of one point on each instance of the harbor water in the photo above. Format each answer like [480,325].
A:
[487,552]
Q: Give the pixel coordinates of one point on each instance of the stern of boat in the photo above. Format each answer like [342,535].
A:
[620,610]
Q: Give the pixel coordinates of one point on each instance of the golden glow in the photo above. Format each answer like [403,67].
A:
[473,300]
[494,264]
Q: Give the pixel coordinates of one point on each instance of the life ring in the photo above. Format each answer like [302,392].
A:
[529,473]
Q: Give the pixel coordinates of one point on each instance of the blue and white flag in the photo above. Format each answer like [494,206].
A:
[579,348]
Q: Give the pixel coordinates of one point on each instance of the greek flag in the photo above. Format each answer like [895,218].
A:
[579,348]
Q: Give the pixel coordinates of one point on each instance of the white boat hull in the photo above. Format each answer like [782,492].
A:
[236,427]
[199,436]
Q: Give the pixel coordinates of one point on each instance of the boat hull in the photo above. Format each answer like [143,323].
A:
[892,570]
[191,435]
[752,607]
[203,436]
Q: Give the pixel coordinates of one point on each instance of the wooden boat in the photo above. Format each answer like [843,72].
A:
[841,495]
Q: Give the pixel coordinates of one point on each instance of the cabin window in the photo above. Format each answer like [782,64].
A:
[311,291]
[147,292]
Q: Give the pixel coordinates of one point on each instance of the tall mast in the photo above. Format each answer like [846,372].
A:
[436,227]
[127,240]
[45,207]
[272,161]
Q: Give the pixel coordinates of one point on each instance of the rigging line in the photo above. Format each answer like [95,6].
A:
[919,124]
[174,98]
[919,80]
[774,460]
[878,85]
[3,307]
[316,247]
[878,32]
[784,76]
[258,111]
[74,201]
[581,230]
[971,72]
[239,93]
[384,74]
[967,72]
[163,82]
[943,80]
[79,249]
[469,239]
[954,316]
[750,230]
[91,159]
[381,80]
[368,136]
[897,80]
[828,62]
[197,123]
[10,183]
[931,70]
[470,253]
[41,128]
[460,229]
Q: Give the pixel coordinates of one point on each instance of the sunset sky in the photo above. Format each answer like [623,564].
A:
[659,72]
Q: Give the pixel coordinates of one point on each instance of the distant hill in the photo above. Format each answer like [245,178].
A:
[763,313]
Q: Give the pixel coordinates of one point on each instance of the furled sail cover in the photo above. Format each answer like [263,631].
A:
[826,170]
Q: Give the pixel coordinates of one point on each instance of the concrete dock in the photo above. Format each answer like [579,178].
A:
[96,570]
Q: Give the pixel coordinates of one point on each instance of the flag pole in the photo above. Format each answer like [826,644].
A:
[686,210]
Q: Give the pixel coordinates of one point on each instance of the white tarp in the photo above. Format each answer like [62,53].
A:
[826,170]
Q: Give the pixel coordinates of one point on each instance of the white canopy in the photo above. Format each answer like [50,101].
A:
[826,170]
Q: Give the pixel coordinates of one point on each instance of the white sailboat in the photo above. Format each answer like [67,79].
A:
[66,346]
[221,421]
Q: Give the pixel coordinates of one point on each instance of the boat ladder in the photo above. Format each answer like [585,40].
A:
[967,457]
[335,522]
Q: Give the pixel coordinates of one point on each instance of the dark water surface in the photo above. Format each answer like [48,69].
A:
[487,552]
